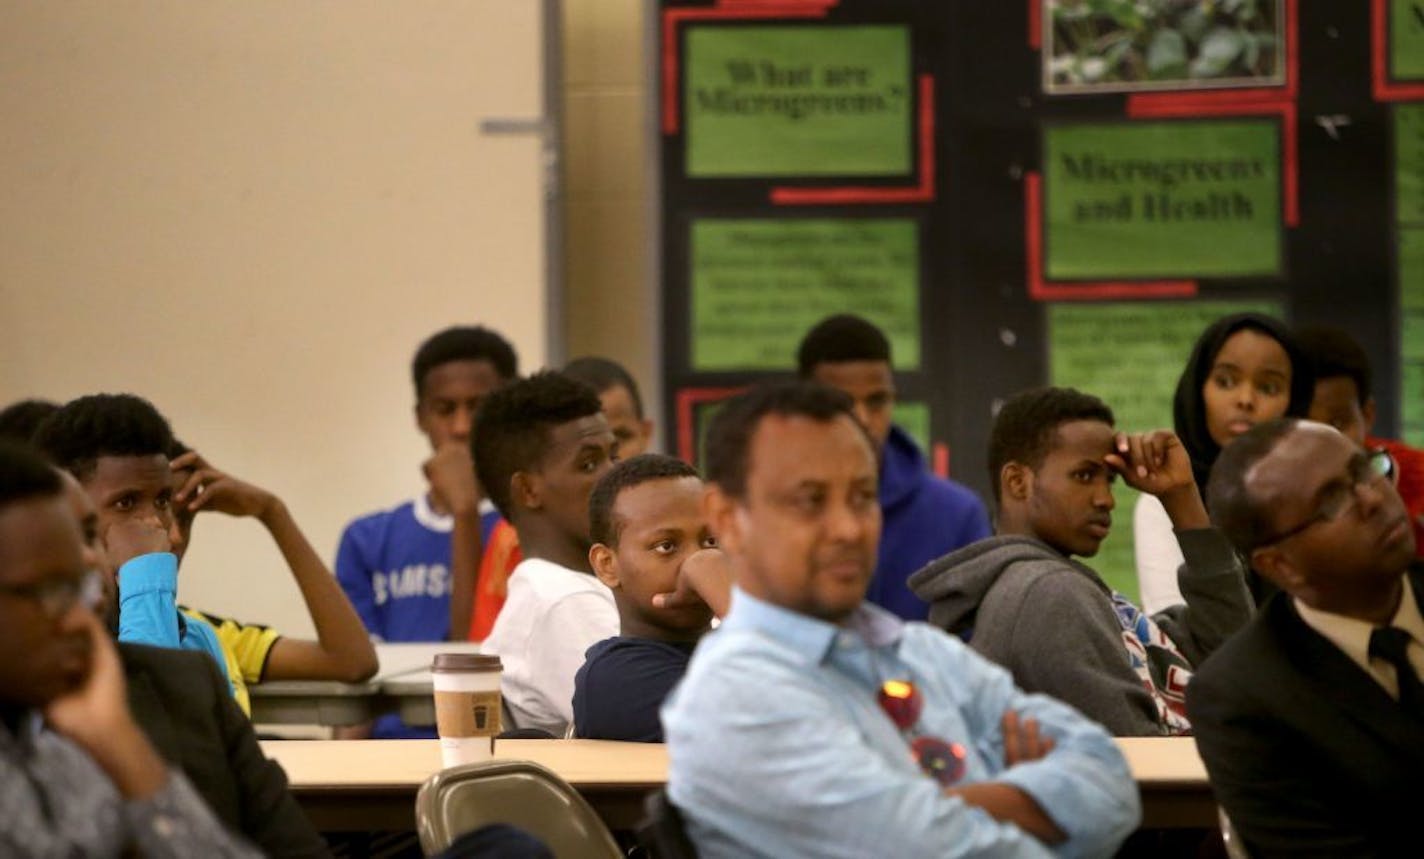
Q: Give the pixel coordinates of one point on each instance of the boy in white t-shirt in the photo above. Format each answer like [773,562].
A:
[540,446]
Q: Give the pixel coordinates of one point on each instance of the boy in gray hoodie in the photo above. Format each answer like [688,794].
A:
[1023,602]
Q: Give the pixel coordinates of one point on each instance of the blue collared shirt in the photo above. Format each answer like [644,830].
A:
[778,747]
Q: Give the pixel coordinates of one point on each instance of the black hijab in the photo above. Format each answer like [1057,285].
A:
[1188,408]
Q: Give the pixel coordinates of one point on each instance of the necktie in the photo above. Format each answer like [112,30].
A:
[1391,643]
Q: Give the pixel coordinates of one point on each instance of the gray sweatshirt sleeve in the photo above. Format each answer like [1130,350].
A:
[1065,642]
[1213,582]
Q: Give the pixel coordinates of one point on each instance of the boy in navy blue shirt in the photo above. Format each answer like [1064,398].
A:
[925,517]
[653,549]
[403,568]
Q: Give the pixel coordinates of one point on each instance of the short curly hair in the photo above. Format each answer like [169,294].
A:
[603,527]
[840,338]
[1333,353]
[729,438]
[1024,428]
[463,343]
[602,374]
[24,474]
[83,430]
[18,421]
[513,426]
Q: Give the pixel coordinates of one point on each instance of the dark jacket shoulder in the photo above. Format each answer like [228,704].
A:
[185,708]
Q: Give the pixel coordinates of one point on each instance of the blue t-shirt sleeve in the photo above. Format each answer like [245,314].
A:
[148,600]
[619,690]
[353,573]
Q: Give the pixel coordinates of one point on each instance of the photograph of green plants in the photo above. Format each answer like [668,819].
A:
[1118,45]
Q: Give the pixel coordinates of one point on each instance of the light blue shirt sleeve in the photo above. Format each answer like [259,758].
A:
[760,767]
[1083,785]
[148,600]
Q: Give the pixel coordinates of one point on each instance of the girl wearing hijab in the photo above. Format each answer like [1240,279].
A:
[1244,369]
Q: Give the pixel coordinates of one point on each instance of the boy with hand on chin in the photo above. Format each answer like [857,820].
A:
[654,549]
[411,569]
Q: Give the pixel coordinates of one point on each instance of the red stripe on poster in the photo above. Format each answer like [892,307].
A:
[687,401]
[1290,159]
[923,191]
[1384,88]
[940,459]
[725,11]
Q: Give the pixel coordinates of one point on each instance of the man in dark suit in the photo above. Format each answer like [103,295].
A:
[1311,719]
[186,709]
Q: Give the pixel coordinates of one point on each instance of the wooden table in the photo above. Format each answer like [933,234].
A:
[371,784]
[359,785]
[1172,779]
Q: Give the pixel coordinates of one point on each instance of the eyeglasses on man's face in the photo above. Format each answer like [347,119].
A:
[1369,468]
[56,596]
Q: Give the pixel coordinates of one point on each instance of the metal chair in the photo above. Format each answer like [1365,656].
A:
[662,832]
[1235,847]
[520,793]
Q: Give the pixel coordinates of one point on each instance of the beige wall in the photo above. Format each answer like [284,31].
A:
[610,306]
[252,212]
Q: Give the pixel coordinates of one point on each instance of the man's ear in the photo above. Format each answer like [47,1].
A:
[526,488]
[605,565]
[720,511]
[1277,567]
[1367,411]
[647,425]
[1015,481]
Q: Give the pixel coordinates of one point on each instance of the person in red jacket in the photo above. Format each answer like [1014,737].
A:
[1345,399]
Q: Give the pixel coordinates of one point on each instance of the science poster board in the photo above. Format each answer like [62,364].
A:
[1033,192]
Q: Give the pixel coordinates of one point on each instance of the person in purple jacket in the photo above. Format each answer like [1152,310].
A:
[925,517]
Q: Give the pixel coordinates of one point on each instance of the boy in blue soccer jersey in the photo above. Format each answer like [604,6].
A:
[400,567]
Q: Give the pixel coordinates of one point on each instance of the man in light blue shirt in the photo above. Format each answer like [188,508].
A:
[815,724]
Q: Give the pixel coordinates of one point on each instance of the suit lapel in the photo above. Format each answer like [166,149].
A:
[150,714]
[1340,681]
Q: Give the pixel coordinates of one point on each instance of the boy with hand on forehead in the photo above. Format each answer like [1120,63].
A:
[1022,600]
[118,447]
[342,650]
[654,549]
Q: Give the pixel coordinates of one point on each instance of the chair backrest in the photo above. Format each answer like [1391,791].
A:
[662,832]
[1235,848]
[520,793]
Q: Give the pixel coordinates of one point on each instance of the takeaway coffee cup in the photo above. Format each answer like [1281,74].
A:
[467,706]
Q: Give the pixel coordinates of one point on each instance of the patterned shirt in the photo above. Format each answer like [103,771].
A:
[56,802]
